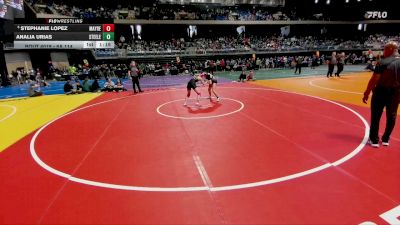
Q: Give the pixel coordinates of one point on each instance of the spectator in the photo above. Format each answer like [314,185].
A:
[86,85]
[71,87]
[95,86]
[242,76]
[68,88]
[370,66]
[108,85]
[250,76]
[119,86]
[34,90]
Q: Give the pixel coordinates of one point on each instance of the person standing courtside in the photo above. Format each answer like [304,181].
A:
[385,85]
[340,63]
[135,77]
[331,64]
[299,63]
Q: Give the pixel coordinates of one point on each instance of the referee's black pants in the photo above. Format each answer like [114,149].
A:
[383,98]
[339,69]
[135,81]
[331,67]
[298,67]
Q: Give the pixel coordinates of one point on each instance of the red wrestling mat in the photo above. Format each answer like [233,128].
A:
[259,156]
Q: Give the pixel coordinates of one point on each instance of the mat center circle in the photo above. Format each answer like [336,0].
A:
[204,109]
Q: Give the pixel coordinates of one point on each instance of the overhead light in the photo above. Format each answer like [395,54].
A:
[138,29]
[347,1]
[328,2]
[316,1]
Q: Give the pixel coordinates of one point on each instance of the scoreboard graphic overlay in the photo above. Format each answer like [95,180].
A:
[63,34]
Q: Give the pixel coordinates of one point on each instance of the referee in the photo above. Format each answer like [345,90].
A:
[299,63]
[135,77]
[331,64]
[385,85]
[340,64]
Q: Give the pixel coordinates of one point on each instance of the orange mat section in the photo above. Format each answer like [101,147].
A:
[347,89]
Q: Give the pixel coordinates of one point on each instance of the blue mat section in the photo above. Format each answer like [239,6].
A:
[16,91]
[22,90]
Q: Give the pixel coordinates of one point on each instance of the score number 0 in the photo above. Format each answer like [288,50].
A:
[108,27]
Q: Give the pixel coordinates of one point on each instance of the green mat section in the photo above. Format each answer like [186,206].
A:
[265,74]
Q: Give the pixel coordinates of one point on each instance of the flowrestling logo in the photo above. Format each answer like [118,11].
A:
[376,15]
